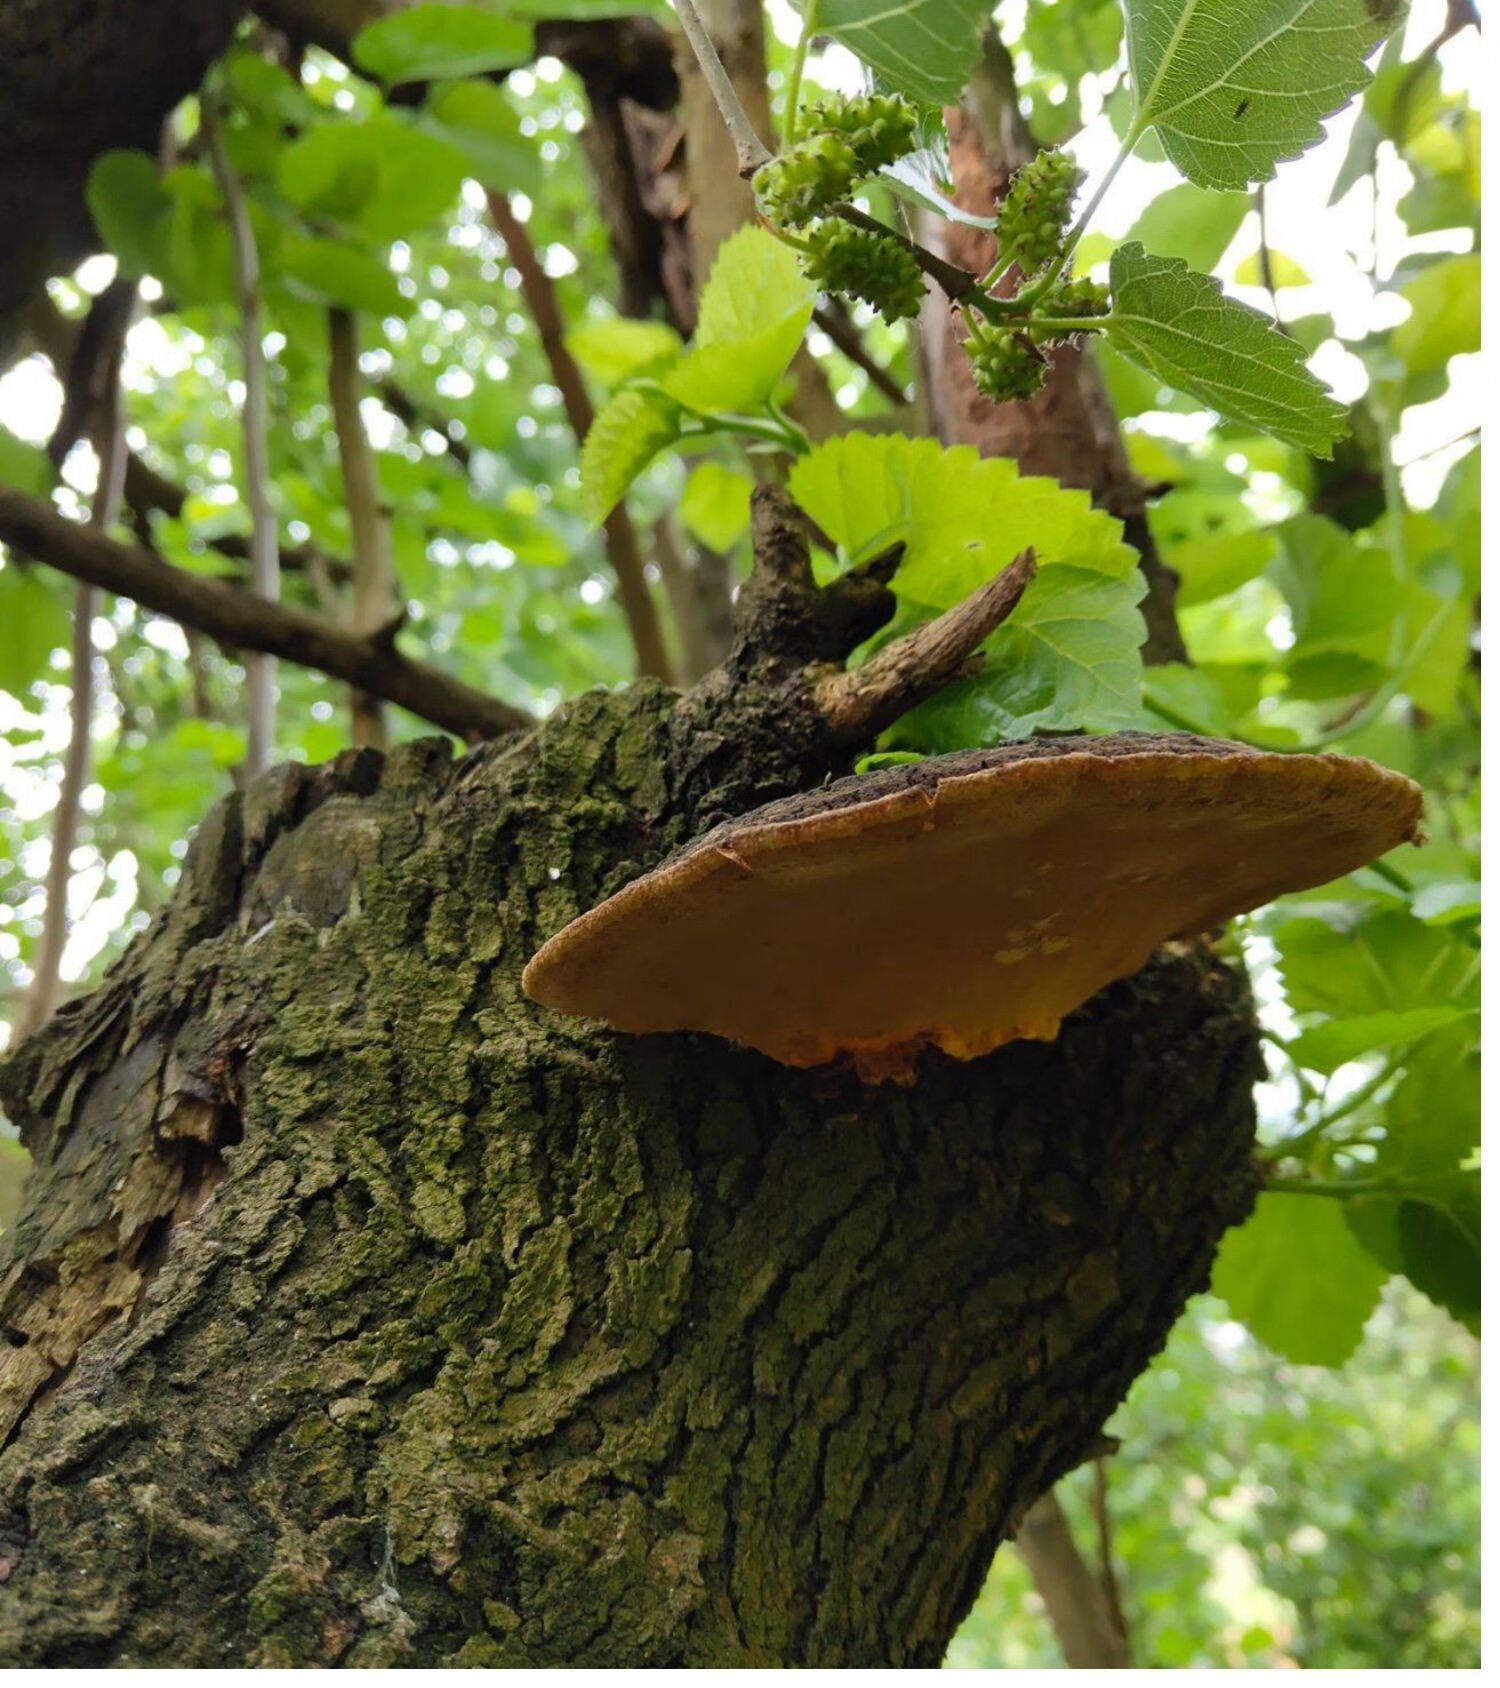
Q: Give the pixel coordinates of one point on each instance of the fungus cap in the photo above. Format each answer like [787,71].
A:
[966,900]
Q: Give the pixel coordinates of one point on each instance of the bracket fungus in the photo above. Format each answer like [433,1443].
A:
[966,900]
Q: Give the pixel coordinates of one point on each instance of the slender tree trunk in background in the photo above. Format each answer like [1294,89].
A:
[1075,1599]
[1069,430]
[363,1312]
[369,526]
[265,567]
[620,541]
[91,409]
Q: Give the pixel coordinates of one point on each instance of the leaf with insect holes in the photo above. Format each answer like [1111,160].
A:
[1233,90]
[924,48]
[1180,326]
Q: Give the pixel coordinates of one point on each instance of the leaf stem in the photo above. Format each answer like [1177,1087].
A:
[799,64]
[750,152]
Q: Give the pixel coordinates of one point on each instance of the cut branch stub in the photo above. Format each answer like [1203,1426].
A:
[967,900]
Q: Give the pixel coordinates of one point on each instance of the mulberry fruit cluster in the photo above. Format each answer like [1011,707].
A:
[880,127]
[865,265]
[1004,365]
[806,179]
[841,144]
[1075,298]
[1034,214]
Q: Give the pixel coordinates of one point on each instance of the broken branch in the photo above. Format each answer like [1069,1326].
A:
[861,702]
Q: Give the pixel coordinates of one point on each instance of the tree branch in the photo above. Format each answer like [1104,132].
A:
[749,150]
[265,569]
[619,534]
[860,702]
[374,569]
[839,326]
[239,619]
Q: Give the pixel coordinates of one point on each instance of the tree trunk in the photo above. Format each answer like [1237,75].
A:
[363,1312]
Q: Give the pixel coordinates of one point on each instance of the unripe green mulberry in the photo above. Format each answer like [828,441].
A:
[867,266]
[806,179]
[1034,215]
[1004,366]
[880,127]
[1075,298]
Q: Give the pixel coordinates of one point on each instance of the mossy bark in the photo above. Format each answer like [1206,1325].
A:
[364,1312]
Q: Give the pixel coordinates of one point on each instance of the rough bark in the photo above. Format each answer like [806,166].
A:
[364,1312]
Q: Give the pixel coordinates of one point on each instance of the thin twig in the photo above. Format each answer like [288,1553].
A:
[749,151]
[246,622]
[265,570]
[374,569]
[619,532]
[839,326]
[861,702]
[1108,1574]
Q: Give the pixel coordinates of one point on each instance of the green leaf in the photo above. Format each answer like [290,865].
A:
[130,208]
[1213,564]
[478,119]
[1444,320]
[1430,1232]
[627,433]
[424,43]
[1328,1046]
[380,177]
[1362,960]
[612,349]
[329,273]
[36,623]
[1447,901]
[1181,327]
[1296,1276]
[1068,657]
[961,517]
[715,505]
[754,310]
[25,465]
[1233,90]
[923,178]
[924,48]
[1192,223]
[1285,272]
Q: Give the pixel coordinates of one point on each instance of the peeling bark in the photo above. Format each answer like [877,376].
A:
[364,1312]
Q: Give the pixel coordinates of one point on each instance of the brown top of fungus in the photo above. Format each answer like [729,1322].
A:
[965,900]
